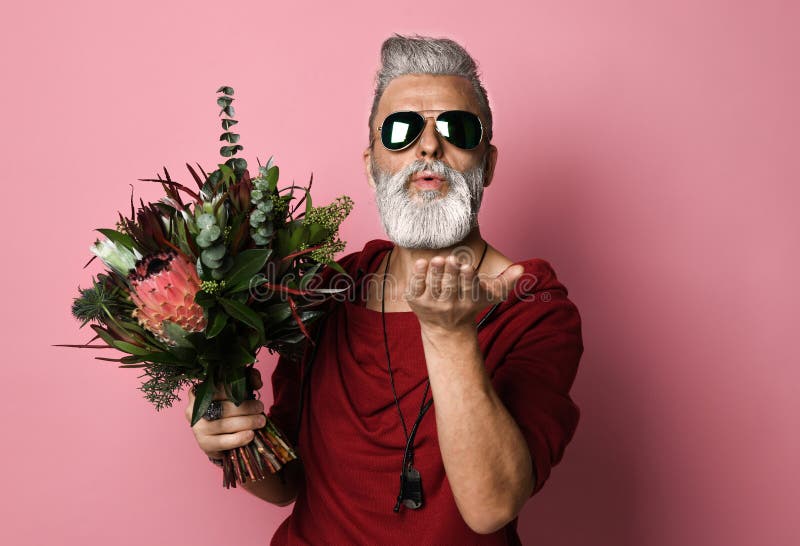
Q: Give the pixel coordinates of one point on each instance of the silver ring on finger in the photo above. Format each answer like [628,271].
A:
[214,411]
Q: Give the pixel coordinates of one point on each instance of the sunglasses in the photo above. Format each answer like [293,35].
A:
[400,129]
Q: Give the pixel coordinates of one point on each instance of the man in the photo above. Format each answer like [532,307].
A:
[435,314]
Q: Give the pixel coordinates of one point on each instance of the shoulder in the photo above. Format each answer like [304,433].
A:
[363,260]
[539,304]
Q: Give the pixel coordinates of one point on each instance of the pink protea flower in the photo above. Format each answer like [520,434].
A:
[163,288]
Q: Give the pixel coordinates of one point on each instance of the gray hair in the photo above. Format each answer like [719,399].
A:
[401,55]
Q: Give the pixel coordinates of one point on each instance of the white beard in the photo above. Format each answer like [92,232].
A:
[430,220]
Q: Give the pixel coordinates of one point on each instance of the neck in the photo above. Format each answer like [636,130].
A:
[469,249]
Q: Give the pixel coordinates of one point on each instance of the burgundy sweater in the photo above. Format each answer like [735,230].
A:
[351,440]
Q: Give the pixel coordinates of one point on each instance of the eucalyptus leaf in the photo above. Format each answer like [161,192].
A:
[216,252]
[228,90]
[206,220]
[227,123]
[227,151]
[219,272]
[211,263]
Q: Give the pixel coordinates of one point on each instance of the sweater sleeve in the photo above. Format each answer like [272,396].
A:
[535,378]
[286,397]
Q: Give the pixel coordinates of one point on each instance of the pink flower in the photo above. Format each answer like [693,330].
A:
[163,288]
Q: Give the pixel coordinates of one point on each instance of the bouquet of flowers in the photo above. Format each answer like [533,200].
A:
[195,288]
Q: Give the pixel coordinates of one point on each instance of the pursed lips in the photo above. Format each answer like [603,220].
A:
[427,180]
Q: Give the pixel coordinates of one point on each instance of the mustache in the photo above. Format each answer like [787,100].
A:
[403,176]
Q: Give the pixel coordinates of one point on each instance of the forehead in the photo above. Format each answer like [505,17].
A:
[420,92]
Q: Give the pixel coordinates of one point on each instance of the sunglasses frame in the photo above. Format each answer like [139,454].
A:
[424,123]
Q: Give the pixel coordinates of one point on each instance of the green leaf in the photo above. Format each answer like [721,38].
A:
[238,385]
[239,163]
[227,151]
[299,234]
[229,110]
[132,359]
[227,123]
[120,238]
[317,233]
[308,202]
[278,312]
[204,299]
[228,90]
[167,358]
[233,138]
[272,177]
[244,314]
[216,323]
[224,102]
[175,333]
[308,276]
[336,267]
[130,348]
[204,393]
[246,264]
[103,333]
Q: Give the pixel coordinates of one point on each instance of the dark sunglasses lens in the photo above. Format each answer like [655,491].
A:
[400,129]
[463,129]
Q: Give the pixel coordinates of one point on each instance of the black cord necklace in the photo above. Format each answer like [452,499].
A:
[410,481]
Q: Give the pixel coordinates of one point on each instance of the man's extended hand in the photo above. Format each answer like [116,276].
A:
[447,296]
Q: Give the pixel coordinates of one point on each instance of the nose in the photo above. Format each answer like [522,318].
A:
[429,145]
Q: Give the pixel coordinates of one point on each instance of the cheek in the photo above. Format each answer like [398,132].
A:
[392,161]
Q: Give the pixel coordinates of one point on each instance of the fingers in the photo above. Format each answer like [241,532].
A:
[233,430]
[468,283]
[450,278]
[229,409]
[230,425]
[214,445]
[435,274]
[416,284]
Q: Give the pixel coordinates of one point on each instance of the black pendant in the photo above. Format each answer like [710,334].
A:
[411,485]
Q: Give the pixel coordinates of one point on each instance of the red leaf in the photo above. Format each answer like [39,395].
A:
[297,319]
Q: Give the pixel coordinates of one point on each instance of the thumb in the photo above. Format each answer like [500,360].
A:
[501,286]
[254,378]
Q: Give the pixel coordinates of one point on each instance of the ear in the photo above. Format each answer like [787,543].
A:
[367,158]
[491,161]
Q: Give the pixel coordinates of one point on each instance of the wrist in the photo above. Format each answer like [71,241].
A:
[458,335]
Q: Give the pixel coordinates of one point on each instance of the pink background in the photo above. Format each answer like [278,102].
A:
[648,150]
